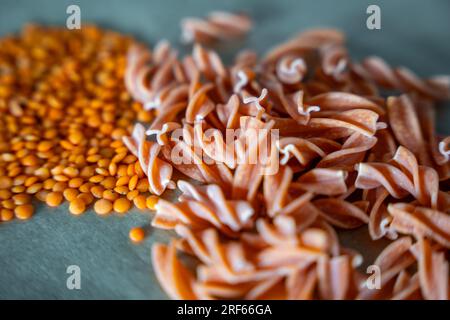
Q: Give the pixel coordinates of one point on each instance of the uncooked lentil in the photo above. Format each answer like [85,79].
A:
[77,206]
[5,194]
[122,205]
[137,234]
[6,215]
[21,198]
[140,202]
[132,195]
[24,212]
[103,206]
[151,202]
[123,190]
[5,182]
[54,199]
[97,191]
[42,195]
[70,194]
[87,197]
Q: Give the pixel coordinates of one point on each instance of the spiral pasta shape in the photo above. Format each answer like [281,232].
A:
[218,25]
[337,154]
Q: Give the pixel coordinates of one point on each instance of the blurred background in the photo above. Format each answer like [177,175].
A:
[34,255]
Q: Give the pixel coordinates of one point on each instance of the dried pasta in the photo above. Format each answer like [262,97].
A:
[345,157]
[218,25]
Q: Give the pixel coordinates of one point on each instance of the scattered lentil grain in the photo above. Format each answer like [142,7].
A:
[137,234]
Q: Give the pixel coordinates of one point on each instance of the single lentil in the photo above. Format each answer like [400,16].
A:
[103,206]
[77,206]
[137,234]
[24,212]
[54,199]
[122,205]
[151,202]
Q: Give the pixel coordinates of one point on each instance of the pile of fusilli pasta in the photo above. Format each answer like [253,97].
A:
[346,157]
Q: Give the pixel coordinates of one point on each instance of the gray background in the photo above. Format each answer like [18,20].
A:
[34,255]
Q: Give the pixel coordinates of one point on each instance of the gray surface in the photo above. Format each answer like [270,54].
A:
[34,254]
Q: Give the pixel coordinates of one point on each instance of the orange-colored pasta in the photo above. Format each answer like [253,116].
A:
[218,25]
[345,157]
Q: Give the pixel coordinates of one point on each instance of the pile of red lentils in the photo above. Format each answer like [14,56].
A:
[63,112]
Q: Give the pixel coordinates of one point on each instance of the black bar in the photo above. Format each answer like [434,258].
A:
[231,309]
